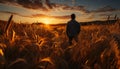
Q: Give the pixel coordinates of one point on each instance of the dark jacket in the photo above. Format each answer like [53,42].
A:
[73,28]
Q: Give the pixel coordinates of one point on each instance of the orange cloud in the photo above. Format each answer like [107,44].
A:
[57,17]
[37,15]
[45,5]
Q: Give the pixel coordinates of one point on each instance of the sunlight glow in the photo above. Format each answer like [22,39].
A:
[47,20]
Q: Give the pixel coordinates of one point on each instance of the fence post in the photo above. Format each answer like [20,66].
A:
[6,29]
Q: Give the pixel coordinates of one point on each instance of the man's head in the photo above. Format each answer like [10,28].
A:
[73,16]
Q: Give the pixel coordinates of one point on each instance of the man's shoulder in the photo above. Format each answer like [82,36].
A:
[76,21]
[70,21]
[73,22]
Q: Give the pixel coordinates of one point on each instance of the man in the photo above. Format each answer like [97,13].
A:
[73,29]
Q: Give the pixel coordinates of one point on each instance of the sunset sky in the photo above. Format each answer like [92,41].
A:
[58,11]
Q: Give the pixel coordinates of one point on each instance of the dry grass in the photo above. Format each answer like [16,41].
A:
[46,47]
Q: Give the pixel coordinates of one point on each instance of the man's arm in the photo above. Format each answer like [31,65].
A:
[79,28]
[67,27]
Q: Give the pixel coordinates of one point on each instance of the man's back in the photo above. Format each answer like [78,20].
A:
[73,28]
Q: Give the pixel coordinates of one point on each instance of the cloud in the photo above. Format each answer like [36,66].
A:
[105,14]
[7,1]
[77,8]
[62,17]
[90,16]
[7,12]
[37,15]
[105,9]
[30,4]
[44,5]
[66,7]
[57,17]
[47,2]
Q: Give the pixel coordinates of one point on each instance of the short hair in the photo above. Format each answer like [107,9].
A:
[73,16]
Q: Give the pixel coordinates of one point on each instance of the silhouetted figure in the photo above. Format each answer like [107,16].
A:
[73,29]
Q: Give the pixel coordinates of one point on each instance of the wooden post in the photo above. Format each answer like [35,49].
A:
[8,26]
[115,18]
[108,19]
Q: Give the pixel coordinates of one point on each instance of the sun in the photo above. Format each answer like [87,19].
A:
[47,20]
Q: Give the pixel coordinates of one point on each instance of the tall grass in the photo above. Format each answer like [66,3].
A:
[46,47]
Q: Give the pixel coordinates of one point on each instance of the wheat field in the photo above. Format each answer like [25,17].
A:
[39,46]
